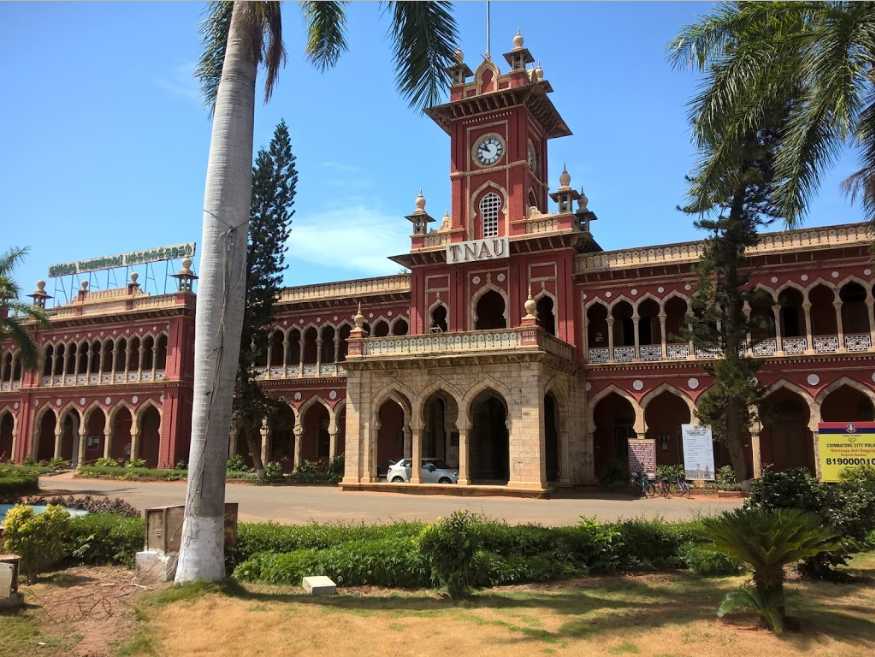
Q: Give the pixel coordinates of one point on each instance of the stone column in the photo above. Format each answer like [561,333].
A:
[332,440]
[52,369]
[299,434]
[59,434]
[755,429]
[416,459]
[584,342]
[464,475]
[636,319]
[318,353]
[80,456]
[265,440]
[779,339]
[286,352]
[269,361]
[135,440]
[408,441]
[840,326]
[690,345]
[663,338]
[809,337]
[589,459]
[112,355]
[336,348]
[870,305]
[140,355]
[610,322]
[90,361]
[107,437]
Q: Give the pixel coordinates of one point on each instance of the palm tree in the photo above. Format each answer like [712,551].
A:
[767,541]
[13,311]
[238,37]
[817,56]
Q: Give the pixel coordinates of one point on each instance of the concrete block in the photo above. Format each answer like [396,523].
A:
[153,566]
[319,585]
[8,596]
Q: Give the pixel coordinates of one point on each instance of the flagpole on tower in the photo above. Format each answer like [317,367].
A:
[488,31]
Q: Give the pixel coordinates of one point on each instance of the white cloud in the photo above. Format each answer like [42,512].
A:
[354,238]
[180,81]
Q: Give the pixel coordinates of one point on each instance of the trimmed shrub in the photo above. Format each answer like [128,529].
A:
[725,478]
[384,562]
[707,562]
[39,538]
[87,503]
[491,569]
[650,544]
[101,538]
[131,473]
[450,545]
[16,481]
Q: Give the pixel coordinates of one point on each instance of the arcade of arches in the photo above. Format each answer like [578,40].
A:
[784,434]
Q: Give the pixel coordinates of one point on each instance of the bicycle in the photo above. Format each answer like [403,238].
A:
[664,487]
[683,486]
[643,483]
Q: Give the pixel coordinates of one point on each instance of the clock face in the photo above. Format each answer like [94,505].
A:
[533,158]
[489,150]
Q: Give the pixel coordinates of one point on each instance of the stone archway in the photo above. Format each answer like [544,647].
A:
[149,420]
[390,435]
[315,441]
[489,311]
[664,415]
[551,438]
[440,436]
[489,444]
[95,425]
[847,404]
[282,437]
[70,421]
[614,424]
[120,427]
[785,437]
[7,432]
[45,432]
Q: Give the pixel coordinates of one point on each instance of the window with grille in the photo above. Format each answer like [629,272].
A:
[490,205]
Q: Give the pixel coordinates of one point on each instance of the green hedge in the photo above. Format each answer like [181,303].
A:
[105,538]
[131,474]
[16,481]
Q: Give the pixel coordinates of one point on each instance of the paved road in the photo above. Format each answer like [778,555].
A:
[296,504]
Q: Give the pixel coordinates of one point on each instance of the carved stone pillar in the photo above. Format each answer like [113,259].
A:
[755,429]
[663,338]
[840,326]
[691,346]
[408,442]
[610,322]
[135,441]
[269,361]
[80,456]
[286,353]
[779,340]
[58,437]
[332,440]
[464,475]
[299,435]
[265,440]
[318,354]
[809,337]
[636,318]
[107,439]
[416,458]
[870,305]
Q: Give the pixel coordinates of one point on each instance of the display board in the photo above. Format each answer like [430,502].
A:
[698,452]
[842,445]
[642,455]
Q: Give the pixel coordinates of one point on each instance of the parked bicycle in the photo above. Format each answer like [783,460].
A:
[683,486]
[643,484]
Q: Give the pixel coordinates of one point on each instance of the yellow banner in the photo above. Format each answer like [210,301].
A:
[838,451]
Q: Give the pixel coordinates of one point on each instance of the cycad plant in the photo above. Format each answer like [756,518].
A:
[767,541]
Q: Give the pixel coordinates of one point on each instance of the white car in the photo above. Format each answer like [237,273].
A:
[433,472]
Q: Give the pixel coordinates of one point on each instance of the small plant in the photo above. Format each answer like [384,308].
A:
[106,463]
[182,464]
[273,471]
[38,538]
[450,545]
[235,463]
[707,562]
[726,479]
[135,463]
[669,473]
[59,464]
[767,541]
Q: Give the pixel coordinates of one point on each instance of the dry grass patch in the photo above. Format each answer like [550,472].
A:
[666,615]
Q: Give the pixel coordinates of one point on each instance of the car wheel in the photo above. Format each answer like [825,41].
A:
[397,480]
[445,480]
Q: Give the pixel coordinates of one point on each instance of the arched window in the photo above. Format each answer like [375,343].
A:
[439,318]
[490,206]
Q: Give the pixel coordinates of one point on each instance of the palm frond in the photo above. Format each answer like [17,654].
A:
[214,39]
[13,328]
[326,39]
[10,259]
[424,36]
[861,183]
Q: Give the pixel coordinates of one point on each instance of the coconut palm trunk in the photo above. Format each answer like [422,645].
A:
[220,302]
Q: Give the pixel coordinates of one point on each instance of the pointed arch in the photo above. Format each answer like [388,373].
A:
[665,387]
[604,392]
[475,299]
[845,381]
[423,395]
[486,383]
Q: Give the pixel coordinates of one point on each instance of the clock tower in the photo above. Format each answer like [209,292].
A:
[501,238]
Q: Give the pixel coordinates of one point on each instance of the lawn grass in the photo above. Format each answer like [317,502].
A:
[21,634]
[666,614]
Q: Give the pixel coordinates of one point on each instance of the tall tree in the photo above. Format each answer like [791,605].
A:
[825,51]
[12,311]
[274,181]
[733,193]
[238,37]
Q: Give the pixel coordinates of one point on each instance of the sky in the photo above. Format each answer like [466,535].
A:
[104,138]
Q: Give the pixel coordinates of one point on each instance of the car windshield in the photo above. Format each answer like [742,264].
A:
[438,464]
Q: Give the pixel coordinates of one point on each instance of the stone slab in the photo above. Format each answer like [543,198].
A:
[153,567]
[319,585]
[7,576]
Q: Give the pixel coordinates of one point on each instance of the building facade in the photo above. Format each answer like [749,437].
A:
[515,349]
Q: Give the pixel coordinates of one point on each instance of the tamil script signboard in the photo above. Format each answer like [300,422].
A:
[842,445]
[698,452]
[172,252]
[490,248]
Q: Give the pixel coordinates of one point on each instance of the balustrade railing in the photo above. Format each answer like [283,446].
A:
[103,378]
[650,351]
[296,371]
[678,350]
[766,347]
[858,342]
[624,354]
[826,344]
[6,386]
[795,345]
